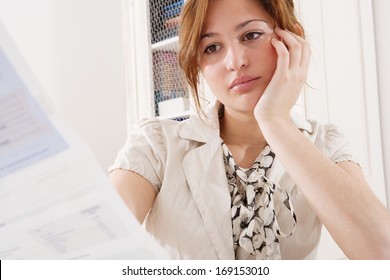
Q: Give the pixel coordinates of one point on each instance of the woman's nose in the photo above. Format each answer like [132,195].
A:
[236,58]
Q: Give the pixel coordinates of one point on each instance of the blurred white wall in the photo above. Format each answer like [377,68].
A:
[382,22]
[75,49]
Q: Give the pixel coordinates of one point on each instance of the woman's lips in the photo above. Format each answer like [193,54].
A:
[243,84]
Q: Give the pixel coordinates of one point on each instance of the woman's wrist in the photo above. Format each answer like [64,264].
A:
[272,120]
[275,126]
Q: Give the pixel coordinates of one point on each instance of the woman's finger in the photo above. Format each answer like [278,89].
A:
[293,45]
[306,50]
[283,61]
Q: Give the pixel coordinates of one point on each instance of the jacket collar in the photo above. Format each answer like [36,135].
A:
[206,128]
[202,128]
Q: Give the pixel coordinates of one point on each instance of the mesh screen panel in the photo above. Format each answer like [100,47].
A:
[170,88]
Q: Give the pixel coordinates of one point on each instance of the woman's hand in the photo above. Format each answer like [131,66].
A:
[290,75]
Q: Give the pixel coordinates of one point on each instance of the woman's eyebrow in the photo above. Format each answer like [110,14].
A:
[245,23]
[237,28]
[208,35]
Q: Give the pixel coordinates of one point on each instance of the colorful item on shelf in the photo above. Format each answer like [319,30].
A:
[173,10]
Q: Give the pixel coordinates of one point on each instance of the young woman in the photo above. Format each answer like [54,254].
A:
[246,178]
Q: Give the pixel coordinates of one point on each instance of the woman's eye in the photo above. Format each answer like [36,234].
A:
[252,36]
[211,49]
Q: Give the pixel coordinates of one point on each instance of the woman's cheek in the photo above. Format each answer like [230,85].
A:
[211,75]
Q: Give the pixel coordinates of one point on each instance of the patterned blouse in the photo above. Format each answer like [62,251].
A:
[256,231]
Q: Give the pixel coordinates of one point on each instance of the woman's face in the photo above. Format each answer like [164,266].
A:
[236,56]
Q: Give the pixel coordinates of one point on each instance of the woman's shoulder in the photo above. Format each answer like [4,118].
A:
[147,146]
[326,132]
[156,127]
[329,138]
[159,125]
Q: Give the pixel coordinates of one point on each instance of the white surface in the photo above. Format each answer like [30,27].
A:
[382,22]
[75,49]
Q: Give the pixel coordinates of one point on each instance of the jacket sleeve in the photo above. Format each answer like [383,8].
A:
[144,152]
[337,146]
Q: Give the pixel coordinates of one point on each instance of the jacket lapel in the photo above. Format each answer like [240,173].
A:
[205,173]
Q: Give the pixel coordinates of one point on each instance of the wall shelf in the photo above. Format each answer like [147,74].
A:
[171,44]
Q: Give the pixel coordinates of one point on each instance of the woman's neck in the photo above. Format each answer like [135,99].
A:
[242,135]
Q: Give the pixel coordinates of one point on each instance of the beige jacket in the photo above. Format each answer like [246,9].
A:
[191,214]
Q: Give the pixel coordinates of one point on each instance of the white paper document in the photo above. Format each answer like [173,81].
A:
[55,200]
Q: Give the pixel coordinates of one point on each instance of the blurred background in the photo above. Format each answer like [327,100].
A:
[75,49]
